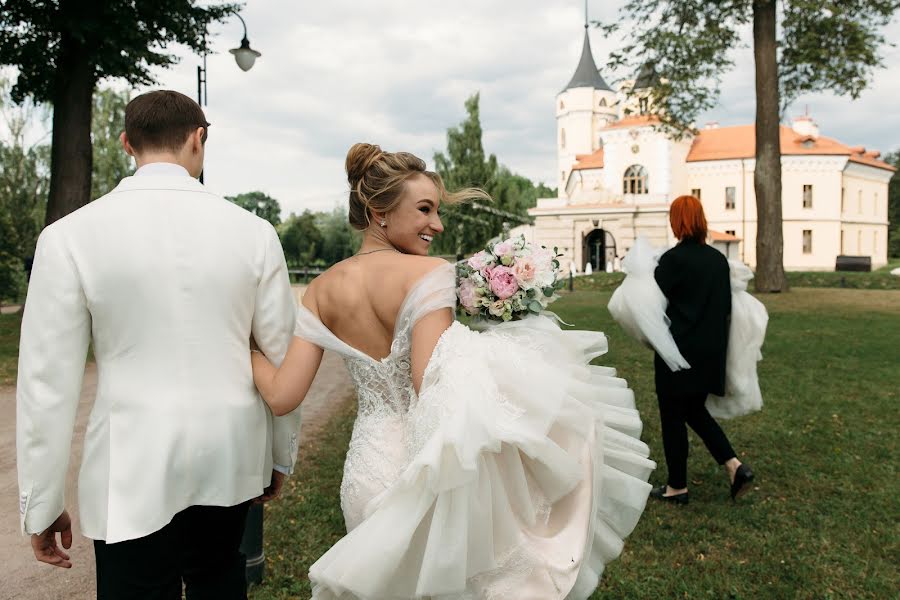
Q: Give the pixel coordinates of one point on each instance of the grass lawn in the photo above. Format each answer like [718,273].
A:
[822,522]
[9,347]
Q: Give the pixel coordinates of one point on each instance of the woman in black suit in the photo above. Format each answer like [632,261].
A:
[695,279]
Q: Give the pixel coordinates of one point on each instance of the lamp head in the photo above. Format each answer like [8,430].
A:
[245,56]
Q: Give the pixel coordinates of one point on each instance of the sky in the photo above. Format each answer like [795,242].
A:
[396,73]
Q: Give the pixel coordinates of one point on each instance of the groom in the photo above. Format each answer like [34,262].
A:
[167,281]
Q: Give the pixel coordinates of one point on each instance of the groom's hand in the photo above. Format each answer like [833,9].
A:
[45,547]
[271,492]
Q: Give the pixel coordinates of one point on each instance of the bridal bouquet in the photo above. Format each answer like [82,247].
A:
[509,280]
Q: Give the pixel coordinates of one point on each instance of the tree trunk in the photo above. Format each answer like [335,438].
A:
[70,155]
[767,174]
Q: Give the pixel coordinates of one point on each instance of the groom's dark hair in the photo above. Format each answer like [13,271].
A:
[162,120]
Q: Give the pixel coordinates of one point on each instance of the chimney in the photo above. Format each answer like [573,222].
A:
[805,126]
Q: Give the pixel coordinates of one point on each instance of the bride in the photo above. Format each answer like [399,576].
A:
[494,464]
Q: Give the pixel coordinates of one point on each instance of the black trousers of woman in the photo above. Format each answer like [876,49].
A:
[675,412]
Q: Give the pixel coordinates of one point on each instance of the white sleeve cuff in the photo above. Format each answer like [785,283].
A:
[281,469]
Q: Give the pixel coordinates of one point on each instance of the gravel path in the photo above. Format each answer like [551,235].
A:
[26,579]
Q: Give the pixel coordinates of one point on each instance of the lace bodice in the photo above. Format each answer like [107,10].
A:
[378,447]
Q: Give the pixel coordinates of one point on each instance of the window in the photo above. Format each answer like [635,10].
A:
[562,105]
[843,193]
[562,138]
[807,241]
[807,196]
[842,242]
[644,108]
[602,101]
[695,192]
[875,205]
[562,176]
[729,198]
[635,180]
[731,232]
[859,202]
[859,242]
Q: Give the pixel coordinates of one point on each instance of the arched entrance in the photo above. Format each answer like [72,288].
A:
[599,250]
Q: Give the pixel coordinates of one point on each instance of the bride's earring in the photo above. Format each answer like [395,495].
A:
[383,223]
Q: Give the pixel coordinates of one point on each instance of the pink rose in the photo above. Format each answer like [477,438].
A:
[467,296]
[503,249]
[524,270]
[503,282]
[479,261]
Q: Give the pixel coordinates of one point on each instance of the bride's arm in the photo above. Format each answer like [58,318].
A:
[425,335]
[284,388]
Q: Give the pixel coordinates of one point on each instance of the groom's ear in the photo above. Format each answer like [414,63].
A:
[125,144]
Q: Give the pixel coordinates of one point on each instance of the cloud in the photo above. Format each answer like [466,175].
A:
[397,73]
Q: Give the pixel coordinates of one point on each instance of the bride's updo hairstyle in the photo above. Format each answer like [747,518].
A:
[377,179]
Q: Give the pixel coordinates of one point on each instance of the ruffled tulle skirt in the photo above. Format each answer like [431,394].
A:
[526,474]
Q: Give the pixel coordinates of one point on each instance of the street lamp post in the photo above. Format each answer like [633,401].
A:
[244,56]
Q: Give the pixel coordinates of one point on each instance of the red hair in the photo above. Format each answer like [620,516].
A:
[687,219]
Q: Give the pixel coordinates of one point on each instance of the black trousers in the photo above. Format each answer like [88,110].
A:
[199,548]
[678,410]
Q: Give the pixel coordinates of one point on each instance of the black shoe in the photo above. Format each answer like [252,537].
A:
[660,494]
[743,477]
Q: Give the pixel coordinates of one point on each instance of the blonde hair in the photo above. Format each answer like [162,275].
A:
[377,180]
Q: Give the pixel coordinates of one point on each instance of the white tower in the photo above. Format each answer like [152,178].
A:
[584,107]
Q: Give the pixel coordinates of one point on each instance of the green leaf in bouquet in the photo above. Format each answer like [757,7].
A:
[548,291]
[535,306]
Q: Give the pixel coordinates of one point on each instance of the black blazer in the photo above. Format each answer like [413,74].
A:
[695,278]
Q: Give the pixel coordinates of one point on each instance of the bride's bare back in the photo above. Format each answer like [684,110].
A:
[359,298]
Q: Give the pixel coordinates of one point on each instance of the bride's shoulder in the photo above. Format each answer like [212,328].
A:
[417,267]
[341,280]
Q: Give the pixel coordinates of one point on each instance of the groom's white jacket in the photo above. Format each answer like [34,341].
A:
[168,281]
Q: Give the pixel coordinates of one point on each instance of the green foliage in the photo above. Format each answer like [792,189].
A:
[300,239]
[118,38]
[690,45]
[469,226]
[24,175]
[339,239]
[894,207]
[111,163]
[817,524]
[260,204]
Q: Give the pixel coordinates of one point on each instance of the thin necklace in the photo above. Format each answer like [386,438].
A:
[378,250]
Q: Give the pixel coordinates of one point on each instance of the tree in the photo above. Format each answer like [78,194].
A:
[24,175]
[300,239]
[63,48]
[823,46]
[468,226]
[260,204]
[339,239]
[111,163]
[894,207]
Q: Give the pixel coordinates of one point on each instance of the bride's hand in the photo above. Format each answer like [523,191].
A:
[253,345]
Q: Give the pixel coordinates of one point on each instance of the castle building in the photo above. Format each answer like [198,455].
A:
[618,173]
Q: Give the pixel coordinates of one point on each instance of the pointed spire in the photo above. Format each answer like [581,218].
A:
[586,73]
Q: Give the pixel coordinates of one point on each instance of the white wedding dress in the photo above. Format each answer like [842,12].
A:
[515,474]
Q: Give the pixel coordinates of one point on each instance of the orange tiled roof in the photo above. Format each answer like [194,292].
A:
[718,236]
[740,142]
[634,121]
[589,161]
